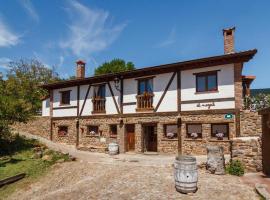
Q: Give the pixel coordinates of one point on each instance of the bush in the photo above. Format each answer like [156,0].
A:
[235,167]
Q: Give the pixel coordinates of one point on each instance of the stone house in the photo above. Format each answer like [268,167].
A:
[147,109]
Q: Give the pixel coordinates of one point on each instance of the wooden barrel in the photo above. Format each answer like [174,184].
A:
[185,174]
[113,148]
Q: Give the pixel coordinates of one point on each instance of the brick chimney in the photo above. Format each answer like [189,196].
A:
[80,69]
[228,35]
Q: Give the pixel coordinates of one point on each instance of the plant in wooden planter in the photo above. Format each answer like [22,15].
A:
[220,136]
[194,135]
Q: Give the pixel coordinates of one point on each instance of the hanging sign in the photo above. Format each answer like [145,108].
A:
[228,116]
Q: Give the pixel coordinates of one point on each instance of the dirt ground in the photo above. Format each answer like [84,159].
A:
[124,179]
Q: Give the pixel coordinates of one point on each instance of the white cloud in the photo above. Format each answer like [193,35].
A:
[90,30]
[7,37]
[4,62]
[29,8]
[169,40]
[61,61]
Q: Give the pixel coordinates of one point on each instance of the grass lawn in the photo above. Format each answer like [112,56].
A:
[22,161]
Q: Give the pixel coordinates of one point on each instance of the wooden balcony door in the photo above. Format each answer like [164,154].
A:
[150,138]
[130,137]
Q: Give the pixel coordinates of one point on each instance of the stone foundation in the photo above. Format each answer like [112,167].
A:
[248,151]
[100,142]
[245,149]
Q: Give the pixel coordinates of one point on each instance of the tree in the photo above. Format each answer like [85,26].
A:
[20,92]
[115,65]
[23,81]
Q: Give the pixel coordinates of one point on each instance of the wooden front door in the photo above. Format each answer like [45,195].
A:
[150,138]
[130,137]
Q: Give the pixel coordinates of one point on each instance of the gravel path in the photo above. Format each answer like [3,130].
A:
[83,180]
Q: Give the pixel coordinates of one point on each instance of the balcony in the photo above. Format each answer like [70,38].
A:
[98,105]
[145,102]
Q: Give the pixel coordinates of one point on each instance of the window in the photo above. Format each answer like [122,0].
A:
[99,99]
[100,91]
[145,86]
[194,131]
[170,131]
[113,130]
[92,131]
[65,97]
[62,131]
[206,82]
[220,131]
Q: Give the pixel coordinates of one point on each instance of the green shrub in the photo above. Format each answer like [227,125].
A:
[235,167]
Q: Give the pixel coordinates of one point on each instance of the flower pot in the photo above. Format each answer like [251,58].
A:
[185,174]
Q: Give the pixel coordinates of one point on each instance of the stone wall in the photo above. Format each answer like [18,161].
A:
[70,138]
[251,123]
[37,125]
[164,145]
[248,151]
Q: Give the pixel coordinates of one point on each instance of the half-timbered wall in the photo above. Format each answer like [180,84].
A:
[221,99]
[190,100]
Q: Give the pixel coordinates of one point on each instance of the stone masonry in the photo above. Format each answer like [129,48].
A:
[38,126]
[248,151]
[251,123]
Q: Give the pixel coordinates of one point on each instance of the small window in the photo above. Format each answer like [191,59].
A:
[113,130]
[194,131]
[62,131]
[145,86]
[220,131]
[92,131]
[170,131]
[206,82]
[65,97]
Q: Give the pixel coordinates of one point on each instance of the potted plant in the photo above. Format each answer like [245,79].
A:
[219,136]
[194,135]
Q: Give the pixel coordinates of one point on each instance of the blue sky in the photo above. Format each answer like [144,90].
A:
[145,32]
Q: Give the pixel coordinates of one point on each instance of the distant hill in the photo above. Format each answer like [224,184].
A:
[255,92]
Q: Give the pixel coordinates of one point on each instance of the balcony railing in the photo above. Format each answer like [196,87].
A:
[145,102]
[98,105]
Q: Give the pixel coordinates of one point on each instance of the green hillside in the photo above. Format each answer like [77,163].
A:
[255,92]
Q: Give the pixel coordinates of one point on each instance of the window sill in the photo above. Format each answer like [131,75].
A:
[99,112]
[191,139]
[144,109]
[206,92]
[94,136]
[216,140]
[67,104]
[62,135]
[167,139]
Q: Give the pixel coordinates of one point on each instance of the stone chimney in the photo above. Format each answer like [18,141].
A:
[228,35]
[80,69]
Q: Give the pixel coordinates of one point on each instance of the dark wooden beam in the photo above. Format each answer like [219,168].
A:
[85,98]
[78,100]
[179,134]
[114,100]
[51,114]
[179,91]
[121,95]
[165,91]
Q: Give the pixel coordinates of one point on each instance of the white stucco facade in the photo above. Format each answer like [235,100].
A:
[225,74]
